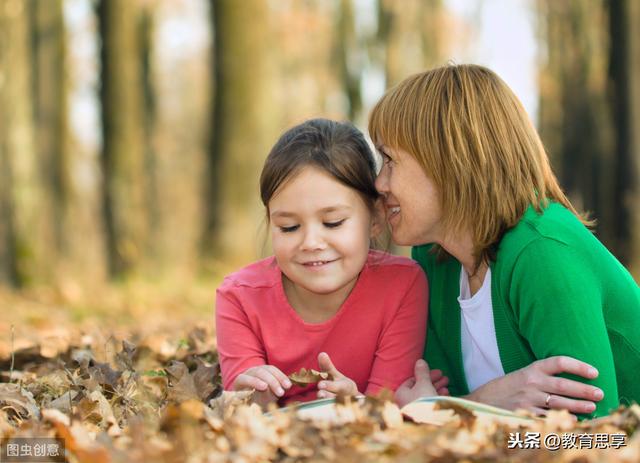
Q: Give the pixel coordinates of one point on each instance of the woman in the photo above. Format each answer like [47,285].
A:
[520,289]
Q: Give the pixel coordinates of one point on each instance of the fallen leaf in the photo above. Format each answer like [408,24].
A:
[305,377]
[18,402]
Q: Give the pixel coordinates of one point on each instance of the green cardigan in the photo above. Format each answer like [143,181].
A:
[556,290]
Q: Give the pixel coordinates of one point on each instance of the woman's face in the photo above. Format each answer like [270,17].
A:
[412,202]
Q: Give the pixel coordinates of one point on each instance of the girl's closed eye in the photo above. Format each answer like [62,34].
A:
[289,229]
[334,224]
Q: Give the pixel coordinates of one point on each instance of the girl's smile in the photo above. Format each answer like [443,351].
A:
[321,232]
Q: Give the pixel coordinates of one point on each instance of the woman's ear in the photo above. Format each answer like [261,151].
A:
[378,218]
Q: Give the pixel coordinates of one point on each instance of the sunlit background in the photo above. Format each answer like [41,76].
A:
[132,133]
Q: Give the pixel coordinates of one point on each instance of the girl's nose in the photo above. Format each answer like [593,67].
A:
[313,239]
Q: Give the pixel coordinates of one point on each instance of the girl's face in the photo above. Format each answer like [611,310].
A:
[321,231]
[411,199]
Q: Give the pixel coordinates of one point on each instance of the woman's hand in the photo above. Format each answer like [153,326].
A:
[268,381]
[422,384]
[340,384]
[537,389]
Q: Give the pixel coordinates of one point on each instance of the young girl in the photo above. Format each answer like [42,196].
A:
[324,300]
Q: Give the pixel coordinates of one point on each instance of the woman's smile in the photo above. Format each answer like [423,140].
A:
[392,213]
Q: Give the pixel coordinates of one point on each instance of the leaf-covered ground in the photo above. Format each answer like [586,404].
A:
[151,392]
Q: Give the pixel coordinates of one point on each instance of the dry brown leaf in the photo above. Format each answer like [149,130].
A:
[124,410]
[64,403]
[391,415]
[428,413]
[305,377]
[204,379]
[80,443]
[55,416]
[18,402]
[181,384]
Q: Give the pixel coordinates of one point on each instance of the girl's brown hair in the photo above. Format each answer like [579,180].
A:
[337,148]
[473,138]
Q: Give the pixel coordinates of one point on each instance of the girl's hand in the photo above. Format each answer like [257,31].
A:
[537,389]
[340,383]
[268,381]
[421,384]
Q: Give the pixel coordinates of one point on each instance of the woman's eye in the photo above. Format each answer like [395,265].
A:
[290,229]
[333,224]
[386,159]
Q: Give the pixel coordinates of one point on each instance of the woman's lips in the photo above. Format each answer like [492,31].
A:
[393,212]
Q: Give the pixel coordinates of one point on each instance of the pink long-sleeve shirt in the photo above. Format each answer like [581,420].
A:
[375,337]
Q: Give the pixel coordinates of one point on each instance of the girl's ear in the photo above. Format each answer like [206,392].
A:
[378,219]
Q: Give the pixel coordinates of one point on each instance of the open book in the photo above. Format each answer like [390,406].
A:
[437,410]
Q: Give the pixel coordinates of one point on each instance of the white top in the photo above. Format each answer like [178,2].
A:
[480,356]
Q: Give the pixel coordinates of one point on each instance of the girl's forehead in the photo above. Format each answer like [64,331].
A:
[313,189]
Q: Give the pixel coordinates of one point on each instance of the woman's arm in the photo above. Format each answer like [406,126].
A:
[557,302]
[537,388]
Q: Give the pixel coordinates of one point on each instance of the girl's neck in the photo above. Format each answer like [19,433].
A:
[313,307]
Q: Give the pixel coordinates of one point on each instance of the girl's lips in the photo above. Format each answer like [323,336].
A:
[317,263]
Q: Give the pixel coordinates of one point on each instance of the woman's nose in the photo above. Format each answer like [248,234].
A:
[382,181]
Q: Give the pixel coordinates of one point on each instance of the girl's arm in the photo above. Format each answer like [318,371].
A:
[402,340]
[400,344]
[241,353]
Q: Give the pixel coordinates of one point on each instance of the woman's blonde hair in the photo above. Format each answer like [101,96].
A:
[473,138]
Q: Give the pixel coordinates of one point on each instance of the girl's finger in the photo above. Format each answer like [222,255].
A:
[280,376]
[265,375]
[325,363]
[325,394]
[442,391]
[436,375]
[332,386]
[409,383]
[244,381]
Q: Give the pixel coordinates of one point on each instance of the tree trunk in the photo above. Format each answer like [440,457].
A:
[146,28]
[633,18]
[50,112]
[412,34]
[575,111]
[350,67]
[21,197]
[624,72]
[243,128]
[123,150]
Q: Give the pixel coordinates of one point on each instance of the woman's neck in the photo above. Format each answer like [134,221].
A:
[461,247]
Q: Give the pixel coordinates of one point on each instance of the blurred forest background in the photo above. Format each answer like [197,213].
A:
[132,133]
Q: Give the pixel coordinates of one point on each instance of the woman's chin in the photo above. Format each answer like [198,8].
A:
[398,239]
